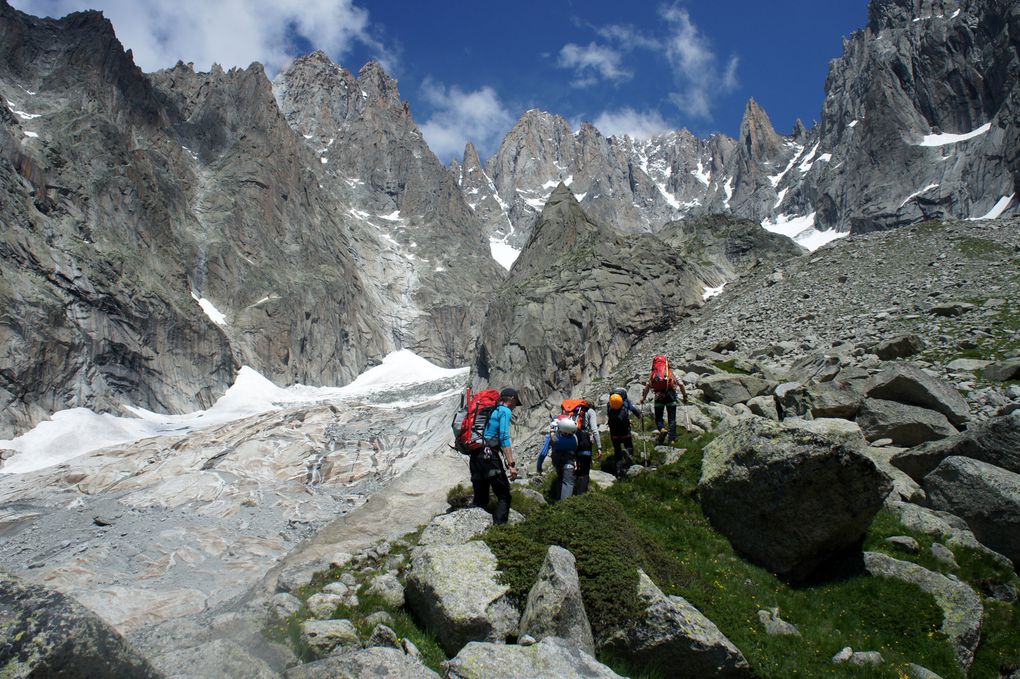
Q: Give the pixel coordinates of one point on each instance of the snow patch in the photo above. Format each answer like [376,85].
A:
[997,209]
[33,135]
[504,254]
[917,193]
[700,173]
[391,217]
[806,164]
[70,433]
[211,311]
[728,190]
[802,230]
[950,138]
[853,123]
[28,116]
[712,292]
[779,198]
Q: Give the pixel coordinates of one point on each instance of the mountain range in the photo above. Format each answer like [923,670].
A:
[162,230]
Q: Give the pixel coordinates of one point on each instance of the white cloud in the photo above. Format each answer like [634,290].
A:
[695,65]
[460,117]
[590,62]
[227,32]
[636,124]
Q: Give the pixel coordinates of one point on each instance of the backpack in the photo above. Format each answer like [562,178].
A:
[661,374]
[623,414]
[469,421]
[576,409]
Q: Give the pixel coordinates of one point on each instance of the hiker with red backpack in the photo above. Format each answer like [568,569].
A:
[618,415]
[481,430]
[664,385]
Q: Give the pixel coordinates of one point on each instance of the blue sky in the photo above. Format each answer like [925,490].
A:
[470,69]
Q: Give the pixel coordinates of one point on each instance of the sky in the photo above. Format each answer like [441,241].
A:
[469,70]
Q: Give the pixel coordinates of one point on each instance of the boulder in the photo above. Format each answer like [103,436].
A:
[324,604]
[1001,371]
[906,425]
[383,635]
[377,662]
[731,389]
[985,496]
[961,606]
[822,399]
[456,527]
[554,607]
[672,634]
[943,525]
[774,625]
[903,487]
[49,635]
[213,660]
[844,431]
[326,636]
[764,406]
[906,383]
[967,364]
[550,657]
[788,498]
[388,587]
[456,591]
[995,441]
[897,347]
[601,479]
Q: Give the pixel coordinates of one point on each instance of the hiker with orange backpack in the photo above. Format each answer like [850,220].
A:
[487,465]
[664,385]
[569,435]
[618,415]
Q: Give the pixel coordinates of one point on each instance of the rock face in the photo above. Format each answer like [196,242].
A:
[376,662]
[554,607]
[906,383]
[995,441]
[985,496]
[454,589]
[789,499]
[906,425]
[672,634]
[550,657]
[156,246]
[47,634]
[575,300]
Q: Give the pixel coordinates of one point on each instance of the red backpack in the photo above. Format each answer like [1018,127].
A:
[661,374]
[470,420]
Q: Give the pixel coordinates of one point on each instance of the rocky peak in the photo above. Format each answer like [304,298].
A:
[377,83]
[757,135]
[884,14]
[471,159]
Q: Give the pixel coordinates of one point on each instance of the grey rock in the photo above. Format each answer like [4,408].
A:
[457,527]
[903,487]
[731,389]
[382,635]
[985,496]
[952,308]
[908,384]
[380,618]
[323,604]
[967,364]
[944,554]
[898,347]
[601,479]
[843,656]
[47,634]
[826,399]
[213,660]
[961,606]
[775,625]
[915,671]
[456,591]
[551,657]
[788,499]
[995,441]
[377,662]
[866,658]
[325,636]
[389,588]
[764,406]
[1001,371]
[905,543]
[554,607]
[906,425]
[286,605]
[944,526]
[671,633]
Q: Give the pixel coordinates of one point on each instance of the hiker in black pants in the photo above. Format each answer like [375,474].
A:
[618,414]
[664,385]
[487,465]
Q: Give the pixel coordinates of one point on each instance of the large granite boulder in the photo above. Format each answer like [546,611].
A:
[995,441]
[961,606]
[788,498]
[554,607]
[377,662]
[985,496]
[901,346]
[49,635]
[456,591]
[326,636]
[730,389]
[906,383]
[906,425]
[457,527]
[550,657]
[822,399]
[670,634]
[1000,371]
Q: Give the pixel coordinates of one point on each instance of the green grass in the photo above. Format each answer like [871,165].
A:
[730,367]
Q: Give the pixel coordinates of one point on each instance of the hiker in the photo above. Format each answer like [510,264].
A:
[664,385]
[566,439]
[588,444]
[618,415]
[487,466]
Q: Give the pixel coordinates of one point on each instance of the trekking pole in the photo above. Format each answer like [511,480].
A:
[687,419]
[644,438]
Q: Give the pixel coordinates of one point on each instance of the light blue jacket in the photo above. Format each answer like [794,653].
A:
[498,425]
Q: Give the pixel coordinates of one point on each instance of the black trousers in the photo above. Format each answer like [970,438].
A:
[487,473]
[583,473]
[670,409]
[623,449]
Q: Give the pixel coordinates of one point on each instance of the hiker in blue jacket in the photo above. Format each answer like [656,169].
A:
[487,466]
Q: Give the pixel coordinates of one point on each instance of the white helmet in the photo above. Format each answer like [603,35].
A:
[566,426]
